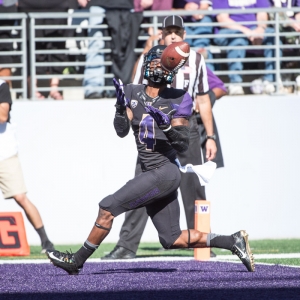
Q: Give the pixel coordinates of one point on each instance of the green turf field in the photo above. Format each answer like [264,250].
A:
[154,249]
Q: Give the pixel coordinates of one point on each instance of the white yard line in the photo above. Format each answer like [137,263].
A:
[160,258]
[262,256]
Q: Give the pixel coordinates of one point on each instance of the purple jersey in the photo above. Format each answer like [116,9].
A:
[182,3]
[214,81]
[226,5]
[152,144]
[157,5]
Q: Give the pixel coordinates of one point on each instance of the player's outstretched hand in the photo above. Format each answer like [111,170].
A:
[122,102]
[162,120]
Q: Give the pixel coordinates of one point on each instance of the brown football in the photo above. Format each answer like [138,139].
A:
[175,56]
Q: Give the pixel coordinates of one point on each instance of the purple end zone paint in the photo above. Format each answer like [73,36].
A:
[155,280]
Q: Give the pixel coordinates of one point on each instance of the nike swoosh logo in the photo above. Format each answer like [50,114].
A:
[54,257]
[161,108]
[244,254]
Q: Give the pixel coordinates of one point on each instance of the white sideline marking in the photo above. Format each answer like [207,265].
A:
[262,256]
[224,258]
[97,260]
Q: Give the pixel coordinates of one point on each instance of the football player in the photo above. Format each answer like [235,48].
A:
[158,116]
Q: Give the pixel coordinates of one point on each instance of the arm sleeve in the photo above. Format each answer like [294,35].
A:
[179,137]
[5,96]
[121,124]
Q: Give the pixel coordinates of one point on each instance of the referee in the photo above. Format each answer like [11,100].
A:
[192,78]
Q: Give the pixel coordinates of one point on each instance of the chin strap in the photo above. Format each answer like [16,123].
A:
[101,227]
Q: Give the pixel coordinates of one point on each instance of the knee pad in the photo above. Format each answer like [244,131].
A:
[106,203]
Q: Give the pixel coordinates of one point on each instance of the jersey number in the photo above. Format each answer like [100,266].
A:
[147,132]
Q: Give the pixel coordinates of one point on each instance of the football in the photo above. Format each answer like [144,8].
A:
[175,56]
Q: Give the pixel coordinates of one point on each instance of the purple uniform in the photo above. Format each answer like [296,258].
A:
[156,187]
[214,81]
[152,144]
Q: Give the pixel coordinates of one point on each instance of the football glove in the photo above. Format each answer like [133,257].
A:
[162,120]
[122,101]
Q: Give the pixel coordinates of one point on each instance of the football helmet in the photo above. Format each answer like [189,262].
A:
[153,70]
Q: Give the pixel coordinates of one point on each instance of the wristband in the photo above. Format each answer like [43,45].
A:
[213,137]
[165,130]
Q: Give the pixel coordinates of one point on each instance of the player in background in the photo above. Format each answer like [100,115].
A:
[159,135]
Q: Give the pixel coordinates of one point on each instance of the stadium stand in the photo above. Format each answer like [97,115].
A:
[72,74]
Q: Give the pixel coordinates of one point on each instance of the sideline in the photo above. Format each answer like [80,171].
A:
[219,258]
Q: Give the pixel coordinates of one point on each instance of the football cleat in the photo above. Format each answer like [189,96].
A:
[119,253]
[242,249]
[47,245]
[65,261]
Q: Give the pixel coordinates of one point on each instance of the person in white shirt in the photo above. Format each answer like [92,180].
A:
[11,177]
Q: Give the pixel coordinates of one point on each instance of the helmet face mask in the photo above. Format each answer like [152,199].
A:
[153,69]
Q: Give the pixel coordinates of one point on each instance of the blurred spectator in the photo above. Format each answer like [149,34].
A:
[53,6]
[254,34]
[144,5]
[141,5]
[202,44]
[95,68]
[289,15]
[150,32]
[6,6]
[290,27]
[123,28]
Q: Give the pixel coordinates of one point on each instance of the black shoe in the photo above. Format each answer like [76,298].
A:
[212,254]
[65,261]
[47,246]
[242,249]
[119,253]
